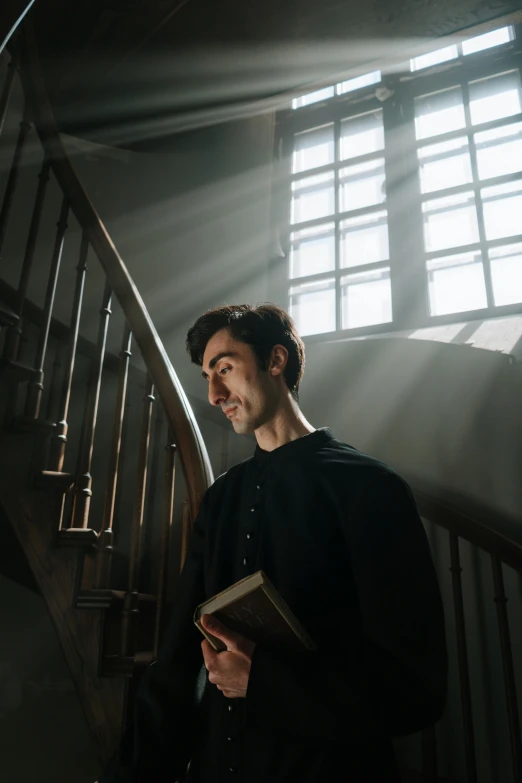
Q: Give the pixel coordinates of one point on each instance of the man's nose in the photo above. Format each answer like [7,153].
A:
[217,392]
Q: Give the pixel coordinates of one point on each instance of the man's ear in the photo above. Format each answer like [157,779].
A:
[278,360]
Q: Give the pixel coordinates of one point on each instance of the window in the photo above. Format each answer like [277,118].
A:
[426,187]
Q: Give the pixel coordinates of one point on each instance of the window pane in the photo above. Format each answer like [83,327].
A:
[362,185]
[312,306]
[506,274]
[313,148]
[496,97]
[364,239]
[312,197]
[456,284]
[313,97]
[360,81]
[499,151]
[439,112]
[312,250]
[362,134]
[434,58]
[487,40]
[450,222]
[366,299]
[503,210]
[445,165]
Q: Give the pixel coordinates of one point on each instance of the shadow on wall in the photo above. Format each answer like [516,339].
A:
[43,733]
[446,414]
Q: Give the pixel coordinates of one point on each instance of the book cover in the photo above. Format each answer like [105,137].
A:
[253,608]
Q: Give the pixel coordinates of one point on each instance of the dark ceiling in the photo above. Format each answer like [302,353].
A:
[130,71]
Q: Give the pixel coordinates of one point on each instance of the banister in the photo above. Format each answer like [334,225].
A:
[465,527]
[190,444]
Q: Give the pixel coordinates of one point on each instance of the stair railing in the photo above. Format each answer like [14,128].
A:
[185,443]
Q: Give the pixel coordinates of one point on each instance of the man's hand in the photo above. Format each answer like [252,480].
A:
[228,670]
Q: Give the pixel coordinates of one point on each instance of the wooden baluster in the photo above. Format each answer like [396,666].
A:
[12,180]
[53,386]
[148,528]
[462,653]
[186,530]
[59,440]
[6,92]
[166,530]
[507,668]
[131,601]
[11,346]
[101,568]
[82,489]
[34,392]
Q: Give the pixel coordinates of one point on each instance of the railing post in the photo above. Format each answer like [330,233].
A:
[186,530]
[11,346]
[507,667]
[462,653]
[100,568]
[151,505]
[6,92]
[12,180]
[130,614]
[166,530]
[34,393]
[82,489]
[59,440]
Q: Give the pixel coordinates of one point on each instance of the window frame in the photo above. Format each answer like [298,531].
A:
[407,255]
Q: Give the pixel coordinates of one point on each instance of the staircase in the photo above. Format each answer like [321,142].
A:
[94,507]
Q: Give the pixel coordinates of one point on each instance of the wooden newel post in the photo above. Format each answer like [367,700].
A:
[129,626]
[82,490]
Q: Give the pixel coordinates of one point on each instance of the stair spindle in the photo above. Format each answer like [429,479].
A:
[131,610]
[82,489]
[59,440]
[53,386]
[150,513]
[186,530]
[507,667]
[166,531]
[35,390]
[102,566]
[6,92]
[11,346]
[462,654]
[12,180]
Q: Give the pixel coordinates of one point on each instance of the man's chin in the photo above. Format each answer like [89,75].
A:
[242,427]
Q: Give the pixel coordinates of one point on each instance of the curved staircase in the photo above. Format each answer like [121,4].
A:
[92,508]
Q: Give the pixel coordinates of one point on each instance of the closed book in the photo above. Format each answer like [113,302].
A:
[253,608]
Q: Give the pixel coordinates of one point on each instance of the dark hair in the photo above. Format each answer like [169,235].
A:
[261,327]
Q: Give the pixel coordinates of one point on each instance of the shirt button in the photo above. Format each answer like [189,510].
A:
[249,536]
[230,739]
[230,708]
[258,486]
[252,509]
[245,560]
[233,770]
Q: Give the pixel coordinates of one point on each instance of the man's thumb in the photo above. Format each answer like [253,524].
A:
[216,628]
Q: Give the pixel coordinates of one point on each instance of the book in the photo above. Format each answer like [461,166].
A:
[253,608]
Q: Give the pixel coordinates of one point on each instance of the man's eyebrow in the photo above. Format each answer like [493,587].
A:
[215,359]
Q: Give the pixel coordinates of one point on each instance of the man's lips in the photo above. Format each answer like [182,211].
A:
[230,411]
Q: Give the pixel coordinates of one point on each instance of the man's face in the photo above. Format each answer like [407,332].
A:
[246,394]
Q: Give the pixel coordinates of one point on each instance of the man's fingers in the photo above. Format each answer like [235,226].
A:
[216,628]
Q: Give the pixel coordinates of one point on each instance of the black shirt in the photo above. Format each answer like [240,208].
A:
[338,534]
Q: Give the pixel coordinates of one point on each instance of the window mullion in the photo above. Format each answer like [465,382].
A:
[478,197]
[337,209]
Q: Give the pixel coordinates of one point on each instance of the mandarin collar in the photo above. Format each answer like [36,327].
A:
[294,448]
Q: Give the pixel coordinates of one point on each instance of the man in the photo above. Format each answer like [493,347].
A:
[338,534]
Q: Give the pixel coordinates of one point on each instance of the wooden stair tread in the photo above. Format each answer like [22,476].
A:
[106,598]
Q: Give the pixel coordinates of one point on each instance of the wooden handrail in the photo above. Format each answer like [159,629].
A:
[465,527]
[190,444]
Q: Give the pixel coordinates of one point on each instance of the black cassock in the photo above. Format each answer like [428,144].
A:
[338,534]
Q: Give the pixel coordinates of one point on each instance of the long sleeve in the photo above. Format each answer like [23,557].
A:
[387,676]
[159,737]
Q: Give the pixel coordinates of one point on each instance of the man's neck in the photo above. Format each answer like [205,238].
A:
[287,424]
